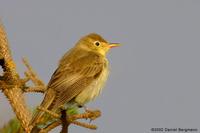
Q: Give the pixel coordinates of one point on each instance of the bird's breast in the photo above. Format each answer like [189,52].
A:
[94,89]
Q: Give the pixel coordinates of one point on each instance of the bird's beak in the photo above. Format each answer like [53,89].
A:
[112,45]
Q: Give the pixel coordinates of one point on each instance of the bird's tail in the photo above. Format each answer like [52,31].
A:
[48,99]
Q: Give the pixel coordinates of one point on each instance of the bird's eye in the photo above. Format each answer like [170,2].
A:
[97,43]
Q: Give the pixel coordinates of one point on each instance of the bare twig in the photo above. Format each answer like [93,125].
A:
[32,75]
[50,127]
[85,125]
[49,112]
[87,115]
[39,89]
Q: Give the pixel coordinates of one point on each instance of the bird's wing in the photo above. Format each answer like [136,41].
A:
[70,79]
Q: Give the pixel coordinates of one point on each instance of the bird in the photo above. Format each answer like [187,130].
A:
[80,77]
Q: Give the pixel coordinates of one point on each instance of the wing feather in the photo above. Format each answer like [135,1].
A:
[70,79]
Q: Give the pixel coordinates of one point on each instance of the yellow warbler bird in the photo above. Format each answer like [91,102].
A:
[80,76]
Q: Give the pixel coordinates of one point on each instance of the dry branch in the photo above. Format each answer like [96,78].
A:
[71,119]
[12,83]
[31,75]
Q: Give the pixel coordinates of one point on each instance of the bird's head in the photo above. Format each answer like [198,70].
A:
[96,43]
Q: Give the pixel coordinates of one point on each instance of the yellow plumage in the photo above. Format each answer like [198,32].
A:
[80,76]
[95,88]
